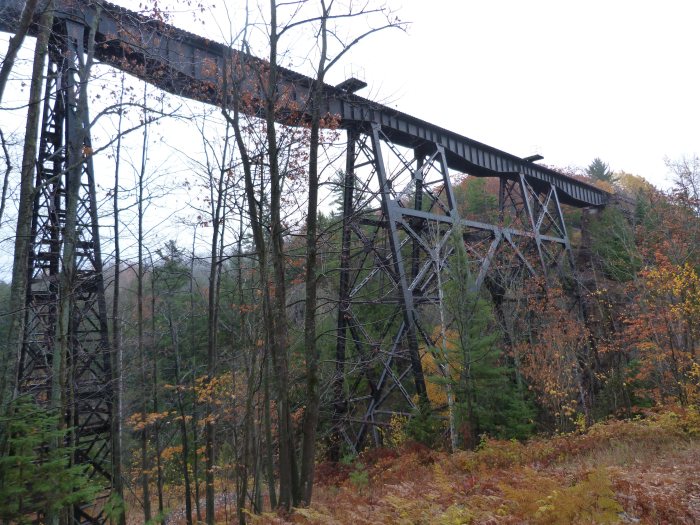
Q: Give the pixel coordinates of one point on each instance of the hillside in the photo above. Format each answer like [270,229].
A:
[639,471]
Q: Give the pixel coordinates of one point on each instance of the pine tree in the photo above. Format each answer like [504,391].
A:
[488,401]
[599,170]
[36,479]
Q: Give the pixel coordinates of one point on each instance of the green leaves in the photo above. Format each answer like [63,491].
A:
[613,242]
[36,475]
[599,170]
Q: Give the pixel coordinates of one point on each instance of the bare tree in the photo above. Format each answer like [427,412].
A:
[326,61]
[16,41]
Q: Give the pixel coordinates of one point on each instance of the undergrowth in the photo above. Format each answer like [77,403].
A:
[593,476]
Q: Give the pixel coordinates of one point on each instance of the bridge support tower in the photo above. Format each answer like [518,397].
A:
[400,219]
[65,363]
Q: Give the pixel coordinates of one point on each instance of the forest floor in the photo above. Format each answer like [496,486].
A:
[644,471]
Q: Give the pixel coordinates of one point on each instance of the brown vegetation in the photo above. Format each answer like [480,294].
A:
[638,471]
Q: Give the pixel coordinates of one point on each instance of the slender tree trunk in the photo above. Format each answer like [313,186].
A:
[269,460]
[145,462]
[242,474]
[116,357]
[156,404]
[15,43]
[255,212]
[218,211]
[308,460]
[279,342]
[6,176]
[444,358]
[195,422]
[182,420]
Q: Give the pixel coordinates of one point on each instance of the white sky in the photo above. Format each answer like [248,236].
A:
[571,80]
[618,79]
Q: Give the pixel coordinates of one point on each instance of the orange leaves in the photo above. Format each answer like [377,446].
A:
[216,390]
[170,453]
[209,67]
[140,421]
[662,330]
[246,308]
[551,358]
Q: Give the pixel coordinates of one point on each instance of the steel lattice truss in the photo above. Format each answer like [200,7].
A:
[66,312]
[400,215]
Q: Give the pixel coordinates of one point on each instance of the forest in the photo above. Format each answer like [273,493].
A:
[565,397]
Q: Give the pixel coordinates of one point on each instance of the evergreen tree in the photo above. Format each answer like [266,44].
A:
[488,399]
[613,242]
[599,170]
[36,479]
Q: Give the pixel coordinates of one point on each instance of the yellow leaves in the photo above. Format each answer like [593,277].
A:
[216,390]
[396,436]
[312,515]
[677,286]
[665,330]
[140,421]
[455,515]
[543,501]
[169,453]
[440,364]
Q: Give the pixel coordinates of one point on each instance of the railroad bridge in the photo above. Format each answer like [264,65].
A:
[399,219]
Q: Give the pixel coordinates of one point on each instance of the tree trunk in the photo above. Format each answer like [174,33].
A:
[308,460]
[116,356]
[218,211]
[279,341]
[16,41]
[154,385]
[145,463]
[182,421]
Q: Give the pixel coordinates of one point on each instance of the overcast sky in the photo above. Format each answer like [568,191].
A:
[618,79]
[570,80]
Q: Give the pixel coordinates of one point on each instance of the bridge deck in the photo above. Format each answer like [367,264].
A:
[192,66]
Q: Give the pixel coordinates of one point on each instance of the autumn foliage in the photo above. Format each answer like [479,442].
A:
[612,472]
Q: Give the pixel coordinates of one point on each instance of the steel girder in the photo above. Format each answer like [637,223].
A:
[399,216]
[65,360]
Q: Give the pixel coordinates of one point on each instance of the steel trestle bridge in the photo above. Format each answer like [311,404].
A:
[399,221]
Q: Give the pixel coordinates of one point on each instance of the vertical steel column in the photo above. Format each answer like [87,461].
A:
[65,353]
[392,213]
[340,402]
[565,233]
[417,205]
[36,359]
